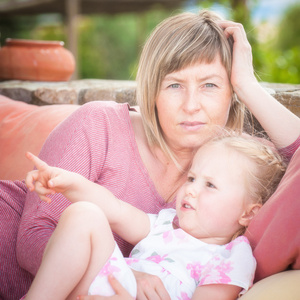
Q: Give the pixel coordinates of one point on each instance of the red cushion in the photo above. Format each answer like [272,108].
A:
[275,232]
[25,127]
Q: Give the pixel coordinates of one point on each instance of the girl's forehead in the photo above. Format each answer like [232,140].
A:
[210,148]
[213,152]
[221,163]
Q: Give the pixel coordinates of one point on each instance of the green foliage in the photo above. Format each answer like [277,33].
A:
[289,28]
[280,55]
[16,27]
[109,46]
[280,66]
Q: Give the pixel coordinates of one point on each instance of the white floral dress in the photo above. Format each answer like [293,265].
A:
[180,260]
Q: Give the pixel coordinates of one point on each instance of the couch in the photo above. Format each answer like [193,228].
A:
[24,127]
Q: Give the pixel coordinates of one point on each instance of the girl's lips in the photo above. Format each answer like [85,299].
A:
[186,205]
[192,126]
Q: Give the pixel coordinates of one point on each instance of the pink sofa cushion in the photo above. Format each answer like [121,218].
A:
[275,232]
[25,127]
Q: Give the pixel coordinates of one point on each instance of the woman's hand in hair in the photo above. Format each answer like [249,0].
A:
[242,73]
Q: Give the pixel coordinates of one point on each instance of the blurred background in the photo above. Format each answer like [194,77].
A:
[106,36]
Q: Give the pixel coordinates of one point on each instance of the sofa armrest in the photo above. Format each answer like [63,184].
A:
[25,127]
[281,286]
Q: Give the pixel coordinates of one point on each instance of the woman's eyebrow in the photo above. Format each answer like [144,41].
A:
[199,78]
[173,78]
[210,76]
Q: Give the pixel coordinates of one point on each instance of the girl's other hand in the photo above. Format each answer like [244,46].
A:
[121,292]
[150,287]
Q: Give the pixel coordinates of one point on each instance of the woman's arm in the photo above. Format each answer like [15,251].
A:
[127,221]
[282,126]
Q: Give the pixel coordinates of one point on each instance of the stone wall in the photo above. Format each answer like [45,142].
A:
[82,91]
[71,92]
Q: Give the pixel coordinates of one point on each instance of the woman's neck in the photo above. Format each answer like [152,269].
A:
[164,173]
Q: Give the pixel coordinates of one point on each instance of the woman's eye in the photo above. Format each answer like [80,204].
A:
[209,85]
[174,86]
[210,185]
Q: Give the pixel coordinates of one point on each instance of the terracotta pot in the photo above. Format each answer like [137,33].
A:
[36,60]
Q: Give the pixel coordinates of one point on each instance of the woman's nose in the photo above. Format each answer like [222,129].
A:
[192,102]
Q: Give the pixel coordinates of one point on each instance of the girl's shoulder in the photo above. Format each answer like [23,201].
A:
[163,220]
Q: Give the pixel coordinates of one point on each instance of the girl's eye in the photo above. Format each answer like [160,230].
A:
[210,185]
[190,179]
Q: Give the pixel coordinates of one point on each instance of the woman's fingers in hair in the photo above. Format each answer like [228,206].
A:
[236,30]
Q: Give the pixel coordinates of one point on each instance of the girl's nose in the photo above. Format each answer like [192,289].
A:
[191,190]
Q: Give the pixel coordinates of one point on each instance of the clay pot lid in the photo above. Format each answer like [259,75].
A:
[24,42]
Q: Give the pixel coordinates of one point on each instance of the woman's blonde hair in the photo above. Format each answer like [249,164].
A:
[176,43]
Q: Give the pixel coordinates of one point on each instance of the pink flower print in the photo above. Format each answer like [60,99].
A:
[108,268]
[163,270]
[196,270]
[224,268]
[157,258]
[182,236]
[216,273]
[168,237]
[229,246]
[212,272]
[238,240]
[183,296]
[131,261]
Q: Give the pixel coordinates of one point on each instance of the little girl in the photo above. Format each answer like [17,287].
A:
[197,250]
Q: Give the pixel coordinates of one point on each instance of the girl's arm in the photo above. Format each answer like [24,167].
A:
[217,291]
[127,221]
[282,126]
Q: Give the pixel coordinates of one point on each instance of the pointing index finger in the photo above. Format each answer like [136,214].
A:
[40,165]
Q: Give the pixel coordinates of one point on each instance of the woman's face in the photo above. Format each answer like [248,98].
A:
[193,103]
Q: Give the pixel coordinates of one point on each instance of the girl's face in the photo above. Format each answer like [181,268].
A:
[213,200]
[192,103]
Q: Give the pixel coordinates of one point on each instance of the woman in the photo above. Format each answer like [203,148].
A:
[189,71]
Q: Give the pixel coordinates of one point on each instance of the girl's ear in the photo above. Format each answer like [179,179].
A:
[249,213]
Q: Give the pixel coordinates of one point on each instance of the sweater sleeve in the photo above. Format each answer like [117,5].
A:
[79,144]
[289,151]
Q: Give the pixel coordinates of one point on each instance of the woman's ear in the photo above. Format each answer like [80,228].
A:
[251,210]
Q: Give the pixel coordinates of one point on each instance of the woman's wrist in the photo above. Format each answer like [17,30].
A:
[248,90]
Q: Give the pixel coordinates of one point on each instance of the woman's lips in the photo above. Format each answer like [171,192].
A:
[191,126]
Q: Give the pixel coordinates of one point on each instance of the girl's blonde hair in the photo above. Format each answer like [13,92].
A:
[268,166]
[266,169]
[176,43]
